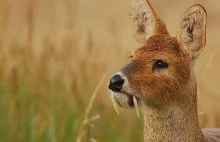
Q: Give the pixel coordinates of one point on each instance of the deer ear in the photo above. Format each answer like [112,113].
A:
[144,21]
[192,33]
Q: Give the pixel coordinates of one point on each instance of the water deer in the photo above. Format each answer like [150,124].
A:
[160,77]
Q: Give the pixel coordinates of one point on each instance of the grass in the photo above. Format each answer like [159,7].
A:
[52,57]
[86,121]
[51,117]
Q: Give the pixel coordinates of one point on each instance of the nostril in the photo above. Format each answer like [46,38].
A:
[119,83]
[116,83]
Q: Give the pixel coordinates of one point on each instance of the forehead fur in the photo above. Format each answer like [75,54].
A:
[161,43]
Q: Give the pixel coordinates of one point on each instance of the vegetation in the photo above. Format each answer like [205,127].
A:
[53,56]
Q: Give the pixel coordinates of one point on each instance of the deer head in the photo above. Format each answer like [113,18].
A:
[161,71]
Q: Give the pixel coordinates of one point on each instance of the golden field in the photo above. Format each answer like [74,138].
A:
[53,54]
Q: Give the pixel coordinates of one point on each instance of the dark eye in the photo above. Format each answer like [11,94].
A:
[159,64]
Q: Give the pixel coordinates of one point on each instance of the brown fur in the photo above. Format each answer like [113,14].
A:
[169,100]
[168,97]
[165,48]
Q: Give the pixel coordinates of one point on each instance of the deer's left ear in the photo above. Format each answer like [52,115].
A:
[192,33]
[144,21]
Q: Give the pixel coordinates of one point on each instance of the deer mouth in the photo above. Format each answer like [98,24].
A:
[124,100]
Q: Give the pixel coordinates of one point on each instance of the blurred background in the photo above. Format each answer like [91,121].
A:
[53,54]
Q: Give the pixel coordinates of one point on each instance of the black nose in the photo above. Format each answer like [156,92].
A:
[116,83]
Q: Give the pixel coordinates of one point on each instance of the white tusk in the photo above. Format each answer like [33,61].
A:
[115,105]
[136,106]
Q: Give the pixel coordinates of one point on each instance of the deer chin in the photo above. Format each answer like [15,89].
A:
[124,100]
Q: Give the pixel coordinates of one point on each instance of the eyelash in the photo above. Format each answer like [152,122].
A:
[129,57]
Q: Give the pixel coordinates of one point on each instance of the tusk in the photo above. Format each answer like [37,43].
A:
[115,105]
[136,106]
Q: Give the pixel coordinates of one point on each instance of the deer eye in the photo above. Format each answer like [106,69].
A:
[159,64]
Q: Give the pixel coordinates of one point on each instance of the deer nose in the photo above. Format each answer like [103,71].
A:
[116,83]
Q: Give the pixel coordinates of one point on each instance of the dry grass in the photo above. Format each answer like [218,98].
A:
[86,121]
[53,54]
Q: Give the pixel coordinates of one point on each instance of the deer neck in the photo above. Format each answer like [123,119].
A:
[171,124]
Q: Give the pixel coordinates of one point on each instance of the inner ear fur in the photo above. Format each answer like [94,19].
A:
[144,21]
[192,32]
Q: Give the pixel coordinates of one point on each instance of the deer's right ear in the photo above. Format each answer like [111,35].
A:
[144,21]
[192,33]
